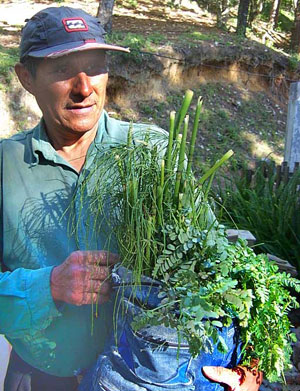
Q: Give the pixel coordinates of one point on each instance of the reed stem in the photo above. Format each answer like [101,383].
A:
[181,160]
[182,112]
[212,170]
[193,137]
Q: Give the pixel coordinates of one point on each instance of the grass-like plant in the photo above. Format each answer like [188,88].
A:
[144,193]
[270,211]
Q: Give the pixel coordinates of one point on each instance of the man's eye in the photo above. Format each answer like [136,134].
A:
[96,69]
[61,70]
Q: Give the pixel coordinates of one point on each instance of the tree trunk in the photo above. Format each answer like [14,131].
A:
[295,39]
[104,13]
[222,12]
[256,7]
[274,13]
[242,17]
[277,14]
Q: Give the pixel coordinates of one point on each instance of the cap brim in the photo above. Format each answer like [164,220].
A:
[62,50]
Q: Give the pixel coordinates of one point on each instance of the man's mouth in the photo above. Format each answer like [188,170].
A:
[81,109]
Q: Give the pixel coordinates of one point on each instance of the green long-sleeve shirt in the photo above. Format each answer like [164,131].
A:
[37,187]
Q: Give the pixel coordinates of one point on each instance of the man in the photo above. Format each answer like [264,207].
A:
[51,276]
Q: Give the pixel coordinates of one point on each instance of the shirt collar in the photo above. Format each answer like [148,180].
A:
[41,144]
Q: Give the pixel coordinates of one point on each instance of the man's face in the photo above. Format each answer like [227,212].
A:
[70,91]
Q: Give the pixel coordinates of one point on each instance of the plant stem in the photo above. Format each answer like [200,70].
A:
[159,205]
[215,167]
[129,135]
[194,134]
[148,243]
[168,156]
[162,173]
[181,160]
[182,112]
[160,193]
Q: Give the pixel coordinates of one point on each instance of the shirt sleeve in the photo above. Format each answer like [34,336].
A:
[26,303]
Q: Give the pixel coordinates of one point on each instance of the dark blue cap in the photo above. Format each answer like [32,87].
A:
[57,31]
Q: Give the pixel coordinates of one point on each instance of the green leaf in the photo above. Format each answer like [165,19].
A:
[211,314]
[167,252]
[200,314]
[233,299]
[171,247]
[223,256]
[217,323]
[179,254]
[183,237]
[224,270]
[293,337]
[222,346]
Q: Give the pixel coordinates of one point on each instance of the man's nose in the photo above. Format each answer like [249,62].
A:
[82,84]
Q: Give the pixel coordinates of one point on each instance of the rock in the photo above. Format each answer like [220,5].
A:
[296,354]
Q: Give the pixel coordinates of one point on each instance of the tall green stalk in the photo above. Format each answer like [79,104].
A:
[183,111]
[160,194]
[194,135]
[214,168]
[181,161]
[168,156]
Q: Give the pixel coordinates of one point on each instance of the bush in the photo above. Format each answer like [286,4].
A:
[270,212]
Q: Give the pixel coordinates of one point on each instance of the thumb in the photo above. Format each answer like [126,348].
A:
[223,375]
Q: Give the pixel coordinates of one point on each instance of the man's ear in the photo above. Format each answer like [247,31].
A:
[25,77]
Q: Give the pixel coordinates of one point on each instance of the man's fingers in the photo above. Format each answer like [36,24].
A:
[104,258]
[101,273]
[99,287]
[223,375]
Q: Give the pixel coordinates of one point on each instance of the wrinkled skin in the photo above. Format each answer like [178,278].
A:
[83,278]
[70,91]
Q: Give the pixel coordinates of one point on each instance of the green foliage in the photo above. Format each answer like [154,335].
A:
[285,20]
[228,130]
[128,3]
[198,36]
[8,58]
[136,43]
[144,192]
[214,281]
[294,61]
[271,213]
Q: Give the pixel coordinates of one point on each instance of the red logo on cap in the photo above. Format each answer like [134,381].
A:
[75,24]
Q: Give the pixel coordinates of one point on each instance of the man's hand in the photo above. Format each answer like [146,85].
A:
[83,278]
[238,379]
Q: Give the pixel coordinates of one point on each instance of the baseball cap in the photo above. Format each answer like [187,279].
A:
[57,31]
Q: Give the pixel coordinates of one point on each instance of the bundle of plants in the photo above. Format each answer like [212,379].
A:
[178,272]
[270,211]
